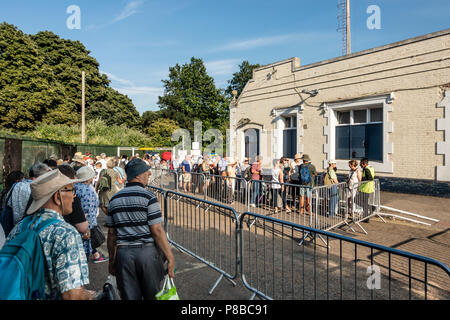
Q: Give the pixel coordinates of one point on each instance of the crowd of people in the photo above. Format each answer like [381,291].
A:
[71,193]
[294,178]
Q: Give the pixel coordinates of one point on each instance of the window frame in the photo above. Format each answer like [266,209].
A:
[331,109]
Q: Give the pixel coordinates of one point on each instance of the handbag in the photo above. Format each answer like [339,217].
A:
[97,237]
[168,291]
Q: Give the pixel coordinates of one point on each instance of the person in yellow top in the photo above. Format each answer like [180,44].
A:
[367,186]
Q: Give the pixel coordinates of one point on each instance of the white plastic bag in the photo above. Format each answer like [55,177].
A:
[168,291]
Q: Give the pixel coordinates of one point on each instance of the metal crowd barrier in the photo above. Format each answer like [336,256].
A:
[365,205]
[205,230]
[325,206]
[230,191]
[274,267]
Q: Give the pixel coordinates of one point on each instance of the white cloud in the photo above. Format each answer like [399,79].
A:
[151,91]
[222,67]
[117,79]
[143,97]
[273,40]
[254,43]
[130,9]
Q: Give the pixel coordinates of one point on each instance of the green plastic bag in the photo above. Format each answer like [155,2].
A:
[169,291]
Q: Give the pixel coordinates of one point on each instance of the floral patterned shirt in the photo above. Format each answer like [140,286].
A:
[89,204]
[66,263]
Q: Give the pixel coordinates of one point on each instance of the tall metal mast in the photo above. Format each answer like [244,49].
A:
[344,25]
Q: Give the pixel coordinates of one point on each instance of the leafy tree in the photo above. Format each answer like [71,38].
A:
[160,132]
[240,78]
[190,94]
[148,117]
[40,81]
[27,90]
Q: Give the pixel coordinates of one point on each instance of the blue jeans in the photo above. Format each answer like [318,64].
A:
[255,191]
[334,198]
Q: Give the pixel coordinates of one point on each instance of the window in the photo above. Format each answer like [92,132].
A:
[251,140]
[359,134]
[290,136]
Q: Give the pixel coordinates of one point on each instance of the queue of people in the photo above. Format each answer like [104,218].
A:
[288,179]
[62,199]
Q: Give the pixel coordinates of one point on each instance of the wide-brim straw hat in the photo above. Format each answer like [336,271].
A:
[85,173]
[45,186]
[79,158]
[297,156]
[306,158]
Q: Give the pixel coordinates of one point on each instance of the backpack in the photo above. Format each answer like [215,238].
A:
[295,173]
[305,175]
[327,179]
[6,217]
[22,263]
[105,182]
[248,173]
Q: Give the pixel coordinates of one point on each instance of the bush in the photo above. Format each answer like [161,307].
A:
[97,132]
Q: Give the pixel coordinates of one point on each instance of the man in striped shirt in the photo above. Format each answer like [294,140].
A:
[137,242]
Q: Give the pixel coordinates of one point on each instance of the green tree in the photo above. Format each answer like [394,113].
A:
[40,81]
[240,78]
[27,89]
[160,132]
[190,94]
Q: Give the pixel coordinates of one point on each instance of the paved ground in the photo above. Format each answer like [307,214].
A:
[194,279]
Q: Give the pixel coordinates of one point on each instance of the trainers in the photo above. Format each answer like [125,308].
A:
[100,259]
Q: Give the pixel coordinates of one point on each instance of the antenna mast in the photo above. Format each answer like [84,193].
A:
[344,25]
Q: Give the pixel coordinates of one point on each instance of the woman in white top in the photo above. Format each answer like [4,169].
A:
[354,176]
[231,172]
[277,179]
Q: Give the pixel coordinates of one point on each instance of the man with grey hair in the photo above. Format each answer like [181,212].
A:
[21,191]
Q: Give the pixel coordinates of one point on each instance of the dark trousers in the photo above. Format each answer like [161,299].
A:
[139,272]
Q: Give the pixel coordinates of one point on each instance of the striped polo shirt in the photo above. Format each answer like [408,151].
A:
[131,211]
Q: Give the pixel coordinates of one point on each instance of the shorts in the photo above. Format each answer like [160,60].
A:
[186,177]
[305,191]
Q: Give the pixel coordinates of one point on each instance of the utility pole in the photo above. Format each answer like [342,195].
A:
[83,101]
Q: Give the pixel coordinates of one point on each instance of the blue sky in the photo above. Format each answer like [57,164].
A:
[136,41]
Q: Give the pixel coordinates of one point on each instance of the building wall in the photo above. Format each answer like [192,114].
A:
[415,70]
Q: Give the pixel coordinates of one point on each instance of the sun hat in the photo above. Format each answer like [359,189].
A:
[332,161]
[306,157]
[297,156]
[45,186]
[135,167]
[78,158]
[85,173]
